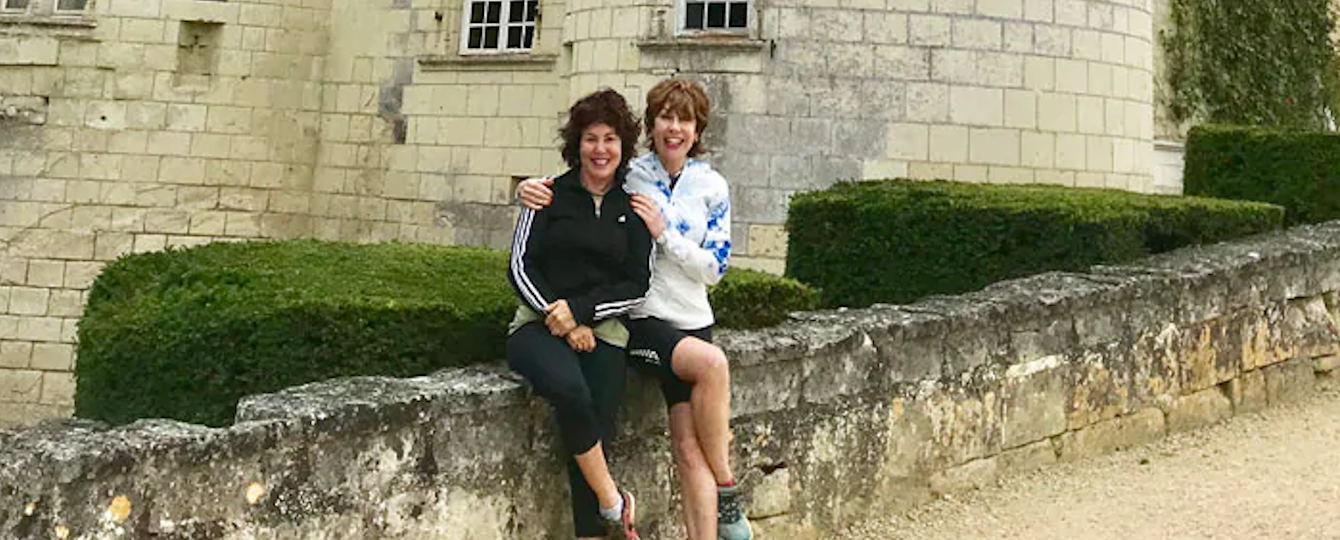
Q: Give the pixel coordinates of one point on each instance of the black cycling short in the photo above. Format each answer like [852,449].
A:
[651,346]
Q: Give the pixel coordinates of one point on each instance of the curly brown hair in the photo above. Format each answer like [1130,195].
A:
[687,100]
[604,106]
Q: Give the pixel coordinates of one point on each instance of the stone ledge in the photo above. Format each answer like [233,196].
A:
[864,410]
[489,62]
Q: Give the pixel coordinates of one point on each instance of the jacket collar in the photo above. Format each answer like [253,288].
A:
[572,180]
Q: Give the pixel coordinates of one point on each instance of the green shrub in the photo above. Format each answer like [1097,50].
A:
[753,299]
[897,241]
[184,334]
[1299,171]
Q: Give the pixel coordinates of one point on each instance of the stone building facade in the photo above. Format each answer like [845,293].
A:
[138,125]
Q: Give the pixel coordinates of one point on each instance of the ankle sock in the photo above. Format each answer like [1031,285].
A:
[615,513]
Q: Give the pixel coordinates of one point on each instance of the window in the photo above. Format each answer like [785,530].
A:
[498,26]
[700,15]
[67,6]
[43,7]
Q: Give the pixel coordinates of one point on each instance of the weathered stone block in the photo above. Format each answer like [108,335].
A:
[28,51]
[841,370]
[1102,389]
[973,475]
[1208,356]
[771,495]
[963,426]
[1034,397]
[773,387]
[1135,429]
[15,354]
[1248,392]
[1028,457]
[1289,381]
[22,386]
[1198,410]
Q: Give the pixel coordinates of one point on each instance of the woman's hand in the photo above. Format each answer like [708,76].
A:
[582,339]
[535,193]
[559,319]
[650,213]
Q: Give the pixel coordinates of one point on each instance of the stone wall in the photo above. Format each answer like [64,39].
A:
[838,416]
[147,124]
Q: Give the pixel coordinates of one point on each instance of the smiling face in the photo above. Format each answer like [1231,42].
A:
[601,152]
[673,136]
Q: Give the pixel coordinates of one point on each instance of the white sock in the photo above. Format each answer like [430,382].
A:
[615,513]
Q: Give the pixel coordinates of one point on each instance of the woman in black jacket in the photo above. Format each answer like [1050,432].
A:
[579,266]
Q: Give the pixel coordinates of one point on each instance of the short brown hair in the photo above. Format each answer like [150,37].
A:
[604,106]
[686,99]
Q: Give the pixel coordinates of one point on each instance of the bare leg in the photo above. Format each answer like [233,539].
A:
[597,475]
[704,366]
[696,484]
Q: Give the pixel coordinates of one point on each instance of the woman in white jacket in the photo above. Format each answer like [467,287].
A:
[686,206]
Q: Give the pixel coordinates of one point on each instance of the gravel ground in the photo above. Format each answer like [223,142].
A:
[1269,475]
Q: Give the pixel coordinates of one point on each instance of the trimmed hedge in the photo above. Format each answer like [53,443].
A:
[1297,170]
[753,299]
[896,241]
[185,334]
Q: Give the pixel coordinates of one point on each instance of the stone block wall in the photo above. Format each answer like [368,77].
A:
[838,416]
[144,125]
[1000,91]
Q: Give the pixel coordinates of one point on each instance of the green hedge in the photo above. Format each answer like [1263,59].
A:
[753,299]
[896,241]
[186,333]
[1297,170]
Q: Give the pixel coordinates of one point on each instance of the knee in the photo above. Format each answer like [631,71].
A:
[715,365]
[566,394]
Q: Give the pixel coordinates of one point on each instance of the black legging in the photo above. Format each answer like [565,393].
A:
[584,390]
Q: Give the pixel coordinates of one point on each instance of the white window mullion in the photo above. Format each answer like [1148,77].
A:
[715,15]
[503,26]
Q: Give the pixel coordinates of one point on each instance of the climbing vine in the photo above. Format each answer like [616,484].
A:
[1253,62]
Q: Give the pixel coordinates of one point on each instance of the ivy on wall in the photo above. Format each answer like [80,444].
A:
[1252,62]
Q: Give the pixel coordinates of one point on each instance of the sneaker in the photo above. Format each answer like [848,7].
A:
[624,526]
[731,521]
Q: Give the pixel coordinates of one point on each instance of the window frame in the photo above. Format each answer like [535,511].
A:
[45,10]
[58,12]
[503,25]
[682,19]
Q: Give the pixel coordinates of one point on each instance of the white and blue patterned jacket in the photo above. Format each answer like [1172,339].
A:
[694,250]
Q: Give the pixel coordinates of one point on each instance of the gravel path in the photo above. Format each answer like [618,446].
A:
[1269,475]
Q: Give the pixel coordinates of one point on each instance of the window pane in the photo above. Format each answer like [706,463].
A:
[16,4]
[494,13]
[532,9]
[514,37]
[530,37]
[739,15]
[516,11]
[693,18]
[476,39]
[716,15]
[71,5]
[491,37]
[476,12]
